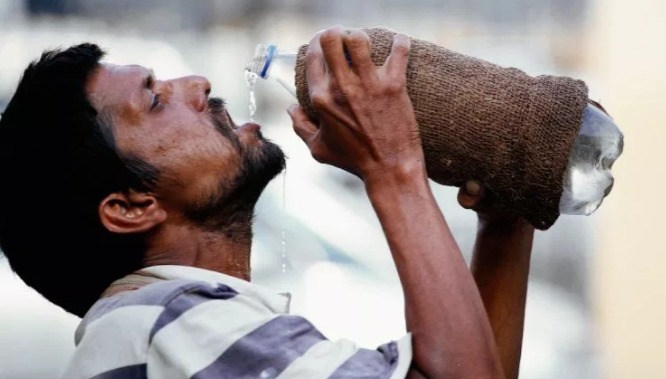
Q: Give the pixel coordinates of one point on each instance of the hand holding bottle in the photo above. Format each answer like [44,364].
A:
[504,128]
[366,123]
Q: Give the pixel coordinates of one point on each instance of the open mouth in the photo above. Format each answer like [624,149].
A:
[230,121]
[226,125]
[250,127]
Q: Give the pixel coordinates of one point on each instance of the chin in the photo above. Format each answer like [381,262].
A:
[269,159]
[236,200]
[254,143]
[263,160]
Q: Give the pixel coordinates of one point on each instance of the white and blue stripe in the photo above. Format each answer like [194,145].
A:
[200,324]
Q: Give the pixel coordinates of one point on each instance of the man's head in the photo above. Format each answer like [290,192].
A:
[95,158]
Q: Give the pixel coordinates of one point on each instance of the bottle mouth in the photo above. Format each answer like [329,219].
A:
[269,57]
[261,61]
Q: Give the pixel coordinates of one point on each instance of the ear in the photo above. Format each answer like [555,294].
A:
[132,212]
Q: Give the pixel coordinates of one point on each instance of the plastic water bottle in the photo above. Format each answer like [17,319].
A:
[279,65]
[587,179]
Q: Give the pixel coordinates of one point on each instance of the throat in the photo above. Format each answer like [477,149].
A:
[220,251]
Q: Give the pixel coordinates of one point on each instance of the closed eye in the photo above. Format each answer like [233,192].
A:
[156,101]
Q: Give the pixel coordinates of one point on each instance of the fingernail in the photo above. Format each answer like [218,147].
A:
[472,187]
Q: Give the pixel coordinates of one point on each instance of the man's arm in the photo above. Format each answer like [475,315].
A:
[501,265]
[367,126]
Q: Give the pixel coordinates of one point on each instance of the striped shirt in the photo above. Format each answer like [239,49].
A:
[201,324]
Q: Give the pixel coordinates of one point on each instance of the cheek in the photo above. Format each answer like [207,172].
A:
[195,170]
[193,158]
[212,161]
[189,146]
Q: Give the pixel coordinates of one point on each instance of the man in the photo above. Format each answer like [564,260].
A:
[146,189]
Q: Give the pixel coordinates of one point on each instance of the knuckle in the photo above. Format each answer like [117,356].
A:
[401,44]
[316,37]
[326,37]
[357,38]
[329,35]
[311,55]
[401,49]
[318,153]
[341,96]
[297,125]
[320,99]
[396,86]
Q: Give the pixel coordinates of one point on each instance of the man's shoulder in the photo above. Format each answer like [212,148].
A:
[163,294]
[167,298]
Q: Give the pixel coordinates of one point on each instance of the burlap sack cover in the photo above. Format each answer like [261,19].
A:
[511,131]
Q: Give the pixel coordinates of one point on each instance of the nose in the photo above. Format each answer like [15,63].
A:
[198,89]
[609,188]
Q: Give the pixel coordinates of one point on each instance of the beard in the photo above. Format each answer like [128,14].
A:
[231,208]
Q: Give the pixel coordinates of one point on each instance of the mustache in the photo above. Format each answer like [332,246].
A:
[218,115]
[216,105]
[217,112]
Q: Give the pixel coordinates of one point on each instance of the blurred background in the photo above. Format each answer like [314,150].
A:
[598,284]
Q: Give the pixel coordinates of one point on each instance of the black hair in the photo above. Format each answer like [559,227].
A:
[58,160]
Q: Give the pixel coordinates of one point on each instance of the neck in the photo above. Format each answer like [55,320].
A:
[226,251]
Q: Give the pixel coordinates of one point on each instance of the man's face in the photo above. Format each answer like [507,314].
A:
[203,158]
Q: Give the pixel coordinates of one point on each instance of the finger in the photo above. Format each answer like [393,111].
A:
[315,66]
[396,63]
[471,194]
[332,45]
[467,201]
[474,188]
[303,125]
[357,43]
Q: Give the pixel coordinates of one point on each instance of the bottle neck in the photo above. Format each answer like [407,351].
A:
[270,53]
[262,59]
[270,62]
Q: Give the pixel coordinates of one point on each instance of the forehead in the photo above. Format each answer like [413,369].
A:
[112,86]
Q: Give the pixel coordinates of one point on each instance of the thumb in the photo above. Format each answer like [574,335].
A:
[303,125]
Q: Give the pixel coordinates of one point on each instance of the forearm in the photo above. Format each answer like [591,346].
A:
[451,334]
[500,265]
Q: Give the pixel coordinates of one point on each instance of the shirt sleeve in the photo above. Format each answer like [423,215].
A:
[342,359]
[392,360]
[237,338]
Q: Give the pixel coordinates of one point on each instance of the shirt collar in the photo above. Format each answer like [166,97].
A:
[278,303]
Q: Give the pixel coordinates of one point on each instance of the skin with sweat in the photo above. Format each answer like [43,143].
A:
[176,135]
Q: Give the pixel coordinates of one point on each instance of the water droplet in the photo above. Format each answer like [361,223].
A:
[284,258]
[251,81]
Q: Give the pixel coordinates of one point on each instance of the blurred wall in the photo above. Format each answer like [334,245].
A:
[628,52]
